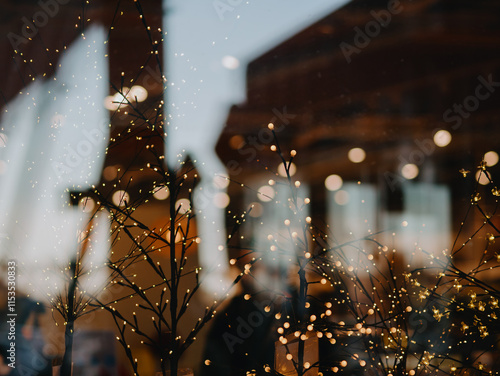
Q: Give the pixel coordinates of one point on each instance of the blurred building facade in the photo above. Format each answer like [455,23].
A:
[384,102]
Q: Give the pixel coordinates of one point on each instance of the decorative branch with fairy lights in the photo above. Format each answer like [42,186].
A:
[159,256]
[361,308]
[77,283]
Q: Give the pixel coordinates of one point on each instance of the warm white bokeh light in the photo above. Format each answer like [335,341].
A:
[120,198]
[221,181]
[257,209]
[230,62]
[491,158]
[342,197]
[442,138]
[134,94]
[178,236]
[356,155]
[333,182]
[121,97]
[483,177]
[409,171]
[221,200]
[282,171]
[183,205]
[86,204]
[109,103]
[137,93]
[161,193]
[265,193]
[236,142]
